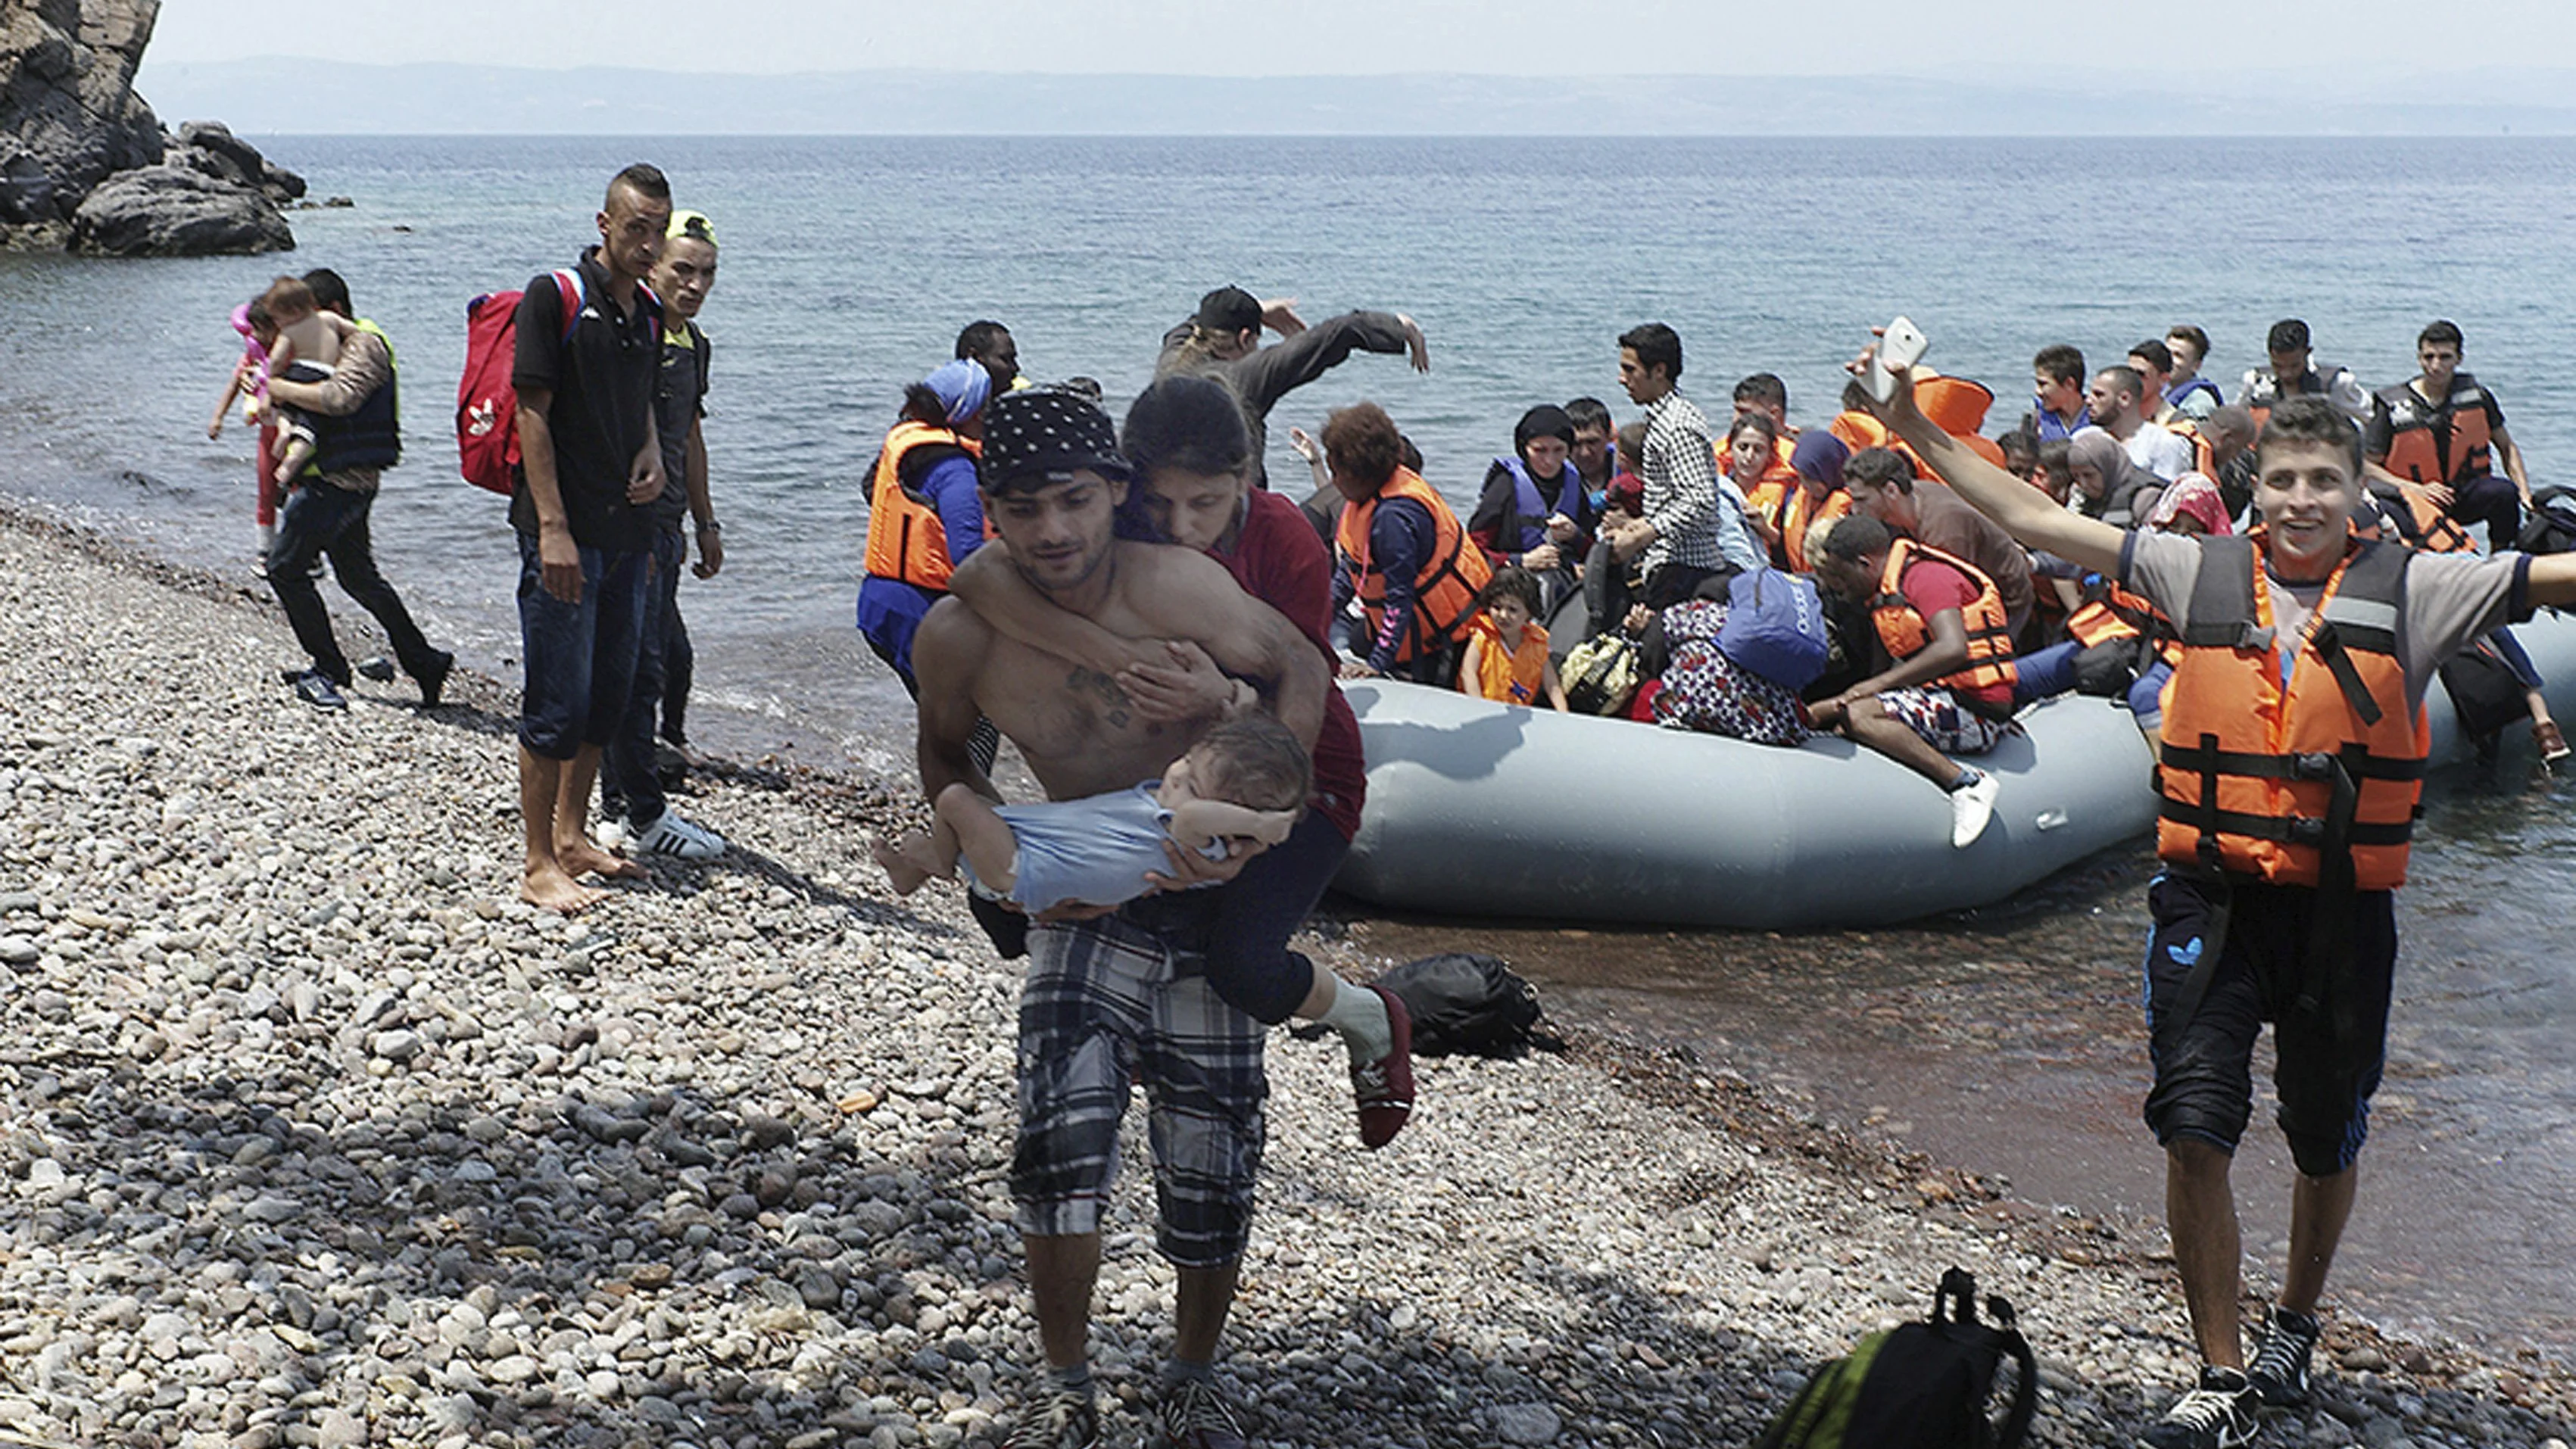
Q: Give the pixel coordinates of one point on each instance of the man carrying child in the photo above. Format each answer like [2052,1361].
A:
[339,392]
[1116,997]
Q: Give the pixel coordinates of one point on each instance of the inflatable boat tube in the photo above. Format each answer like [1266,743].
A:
[1489,810]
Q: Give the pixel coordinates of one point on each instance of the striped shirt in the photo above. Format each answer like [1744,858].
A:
[1697,512]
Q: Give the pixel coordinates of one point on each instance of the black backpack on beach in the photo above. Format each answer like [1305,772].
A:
[1918,1386]
[1463,1003]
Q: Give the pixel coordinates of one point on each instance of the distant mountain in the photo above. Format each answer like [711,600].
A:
[435,99]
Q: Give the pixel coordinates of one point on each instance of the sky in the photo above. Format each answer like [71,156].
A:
[1995,38]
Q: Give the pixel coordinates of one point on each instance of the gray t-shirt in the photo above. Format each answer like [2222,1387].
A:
[2451,598]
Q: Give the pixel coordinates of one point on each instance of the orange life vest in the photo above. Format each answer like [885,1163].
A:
[1444,592]
[906,540]
[2204,454]
[2415,451]
[2292,785]
[1510,673]
[1798,514]
[1904,632]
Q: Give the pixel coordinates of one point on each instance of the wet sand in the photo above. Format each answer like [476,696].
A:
[2010,1042]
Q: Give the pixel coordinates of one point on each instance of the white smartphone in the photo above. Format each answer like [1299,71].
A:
[1901,347]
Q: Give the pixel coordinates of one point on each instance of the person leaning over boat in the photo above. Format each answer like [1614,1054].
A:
[1223,340]
[925,516]
[2293,745]
[1883,484]
[1948,686]
[1400,552]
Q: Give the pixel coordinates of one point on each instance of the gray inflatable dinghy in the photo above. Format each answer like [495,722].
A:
[1491,810]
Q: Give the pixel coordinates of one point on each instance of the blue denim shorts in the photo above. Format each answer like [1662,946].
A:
[580,657]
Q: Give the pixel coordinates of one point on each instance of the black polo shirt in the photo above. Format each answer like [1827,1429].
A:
[679,403]
[603,380]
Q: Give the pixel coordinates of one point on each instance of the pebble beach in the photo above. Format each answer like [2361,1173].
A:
[312,1134]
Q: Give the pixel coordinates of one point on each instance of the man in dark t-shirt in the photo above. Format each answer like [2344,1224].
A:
[1223,340]
[630,780]
[591,469]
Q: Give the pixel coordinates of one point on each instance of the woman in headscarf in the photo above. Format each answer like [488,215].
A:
[2108,486]
[1534,513]
[924,513]
[1819,497]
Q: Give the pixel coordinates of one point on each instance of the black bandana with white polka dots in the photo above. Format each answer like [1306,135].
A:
[1043,430]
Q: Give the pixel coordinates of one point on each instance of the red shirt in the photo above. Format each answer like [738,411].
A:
[1931,586]
[1279,560]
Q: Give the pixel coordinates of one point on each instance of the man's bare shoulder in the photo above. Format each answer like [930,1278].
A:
[952,633]
[1177,590]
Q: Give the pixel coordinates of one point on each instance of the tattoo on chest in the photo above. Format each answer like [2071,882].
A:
[1113,702]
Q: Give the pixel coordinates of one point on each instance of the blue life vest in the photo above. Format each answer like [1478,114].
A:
[1533,509]
[2175,395]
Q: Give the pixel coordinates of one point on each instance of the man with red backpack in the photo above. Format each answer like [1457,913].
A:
[590,469]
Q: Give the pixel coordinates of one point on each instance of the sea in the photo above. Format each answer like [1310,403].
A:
[2005,1041]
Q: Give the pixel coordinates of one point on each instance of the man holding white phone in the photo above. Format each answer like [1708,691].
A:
[2291,761]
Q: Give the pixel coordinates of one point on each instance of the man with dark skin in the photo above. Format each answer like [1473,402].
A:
[1054,502]
[557,769]
[991,344]
[2308,485]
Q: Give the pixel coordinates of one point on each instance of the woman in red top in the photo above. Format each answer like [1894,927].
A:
[1192,457]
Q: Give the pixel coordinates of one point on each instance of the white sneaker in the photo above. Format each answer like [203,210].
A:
[610,832]
[676,838]
[1971,808]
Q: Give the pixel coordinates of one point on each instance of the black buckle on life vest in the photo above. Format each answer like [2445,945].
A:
[2307,830]
[2329,646]
[2314,765]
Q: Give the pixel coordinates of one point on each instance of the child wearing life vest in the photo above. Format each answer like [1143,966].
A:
[249,382]
[1506,658]
[1236,793]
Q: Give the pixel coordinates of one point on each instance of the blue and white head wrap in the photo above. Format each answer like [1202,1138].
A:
[962,387]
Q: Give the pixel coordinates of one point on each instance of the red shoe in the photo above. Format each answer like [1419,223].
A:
[2553,744]
[1385,1086]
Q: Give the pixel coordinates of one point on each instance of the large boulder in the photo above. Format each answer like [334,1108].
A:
[176,210]
[67,102]
[70,122]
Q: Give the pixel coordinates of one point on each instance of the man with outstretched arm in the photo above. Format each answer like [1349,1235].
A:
[2292,756]
[1120,994]
[1223,340]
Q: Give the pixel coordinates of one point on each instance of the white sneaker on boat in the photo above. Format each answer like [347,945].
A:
[1971,808]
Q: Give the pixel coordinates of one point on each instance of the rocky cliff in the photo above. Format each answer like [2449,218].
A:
[85,164]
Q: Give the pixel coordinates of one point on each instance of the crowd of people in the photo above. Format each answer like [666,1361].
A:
[2269,583]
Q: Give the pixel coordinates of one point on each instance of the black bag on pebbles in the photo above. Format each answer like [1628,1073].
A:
[1920,1385]
[1466,1004]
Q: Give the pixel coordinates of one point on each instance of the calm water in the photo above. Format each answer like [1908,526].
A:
[849,265]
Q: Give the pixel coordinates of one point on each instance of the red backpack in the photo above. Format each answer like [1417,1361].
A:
[487,406]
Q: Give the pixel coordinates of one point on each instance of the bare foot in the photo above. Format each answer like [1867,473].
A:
[579,857]
[549,887]
[903,864]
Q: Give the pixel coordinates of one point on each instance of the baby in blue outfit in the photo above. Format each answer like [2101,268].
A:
[1237,792]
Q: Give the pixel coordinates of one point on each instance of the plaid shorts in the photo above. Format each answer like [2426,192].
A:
[1944,723]
[1102,1006]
